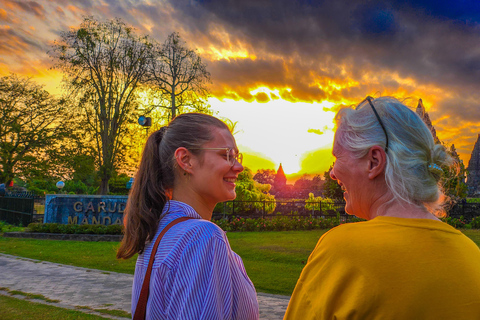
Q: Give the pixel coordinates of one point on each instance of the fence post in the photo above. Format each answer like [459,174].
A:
[263,214]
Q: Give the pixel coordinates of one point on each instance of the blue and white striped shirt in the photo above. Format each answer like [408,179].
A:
[195,275]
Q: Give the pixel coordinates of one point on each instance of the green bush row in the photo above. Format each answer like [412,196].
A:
[75,228]
[278,223]
[460,223]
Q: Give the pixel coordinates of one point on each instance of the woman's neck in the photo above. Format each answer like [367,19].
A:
[401,210]
[196,202]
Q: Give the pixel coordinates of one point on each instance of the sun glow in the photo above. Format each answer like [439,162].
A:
[297,135]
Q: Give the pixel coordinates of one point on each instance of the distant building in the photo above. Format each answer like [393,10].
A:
[426,118]
[280,180]
[473,177]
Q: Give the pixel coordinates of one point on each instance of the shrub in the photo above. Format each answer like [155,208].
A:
[454,222]
[279,223]
[75,228]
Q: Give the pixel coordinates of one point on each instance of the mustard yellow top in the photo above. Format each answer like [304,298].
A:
[390,268]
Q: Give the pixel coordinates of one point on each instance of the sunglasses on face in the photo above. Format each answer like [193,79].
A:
[231,154]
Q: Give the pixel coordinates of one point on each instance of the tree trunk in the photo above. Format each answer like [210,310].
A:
[173,103]
[104,189]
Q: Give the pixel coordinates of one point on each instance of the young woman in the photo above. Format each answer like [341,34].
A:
[187,167]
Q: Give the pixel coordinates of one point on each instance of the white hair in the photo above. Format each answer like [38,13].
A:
[412,171]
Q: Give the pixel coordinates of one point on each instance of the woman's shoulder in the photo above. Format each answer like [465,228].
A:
[197,229]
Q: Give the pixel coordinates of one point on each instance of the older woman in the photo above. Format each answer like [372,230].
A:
[403,262]
[186,268]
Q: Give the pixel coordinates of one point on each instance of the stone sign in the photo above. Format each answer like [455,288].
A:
[84,209]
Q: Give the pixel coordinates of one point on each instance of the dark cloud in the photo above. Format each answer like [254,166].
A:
[419,41]
[262,97]
[15,43]
[31,7]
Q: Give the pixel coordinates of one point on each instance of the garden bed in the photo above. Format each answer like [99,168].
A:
[63,236]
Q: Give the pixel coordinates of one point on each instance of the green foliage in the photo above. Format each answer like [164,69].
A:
[78,187]
[331,189]
[42,187]
[456,222]
[118,184]
[248,189]
[473,200]
[6,227]
[34,127]
[265,176]
[84,168]
[75,228]
[319,203]
[475,223]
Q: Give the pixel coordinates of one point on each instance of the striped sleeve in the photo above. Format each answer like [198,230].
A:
[209,282]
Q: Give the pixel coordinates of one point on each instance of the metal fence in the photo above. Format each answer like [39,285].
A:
[259,209]
[263,209]
[466,210]
[17,208]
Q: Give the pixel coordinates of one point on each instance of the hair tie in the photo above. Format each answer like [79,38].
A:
[435,168]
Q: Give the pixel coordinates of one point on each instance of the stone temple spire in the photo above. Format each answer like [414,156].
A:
[426,118]
[473,178]
[280,179]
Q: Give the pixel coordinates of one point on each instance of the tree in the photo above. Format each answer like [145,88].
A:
[104,64]
[303,183]
[331,189]
[32,124]
[453,179]
[265,176]
[180,75]
[250,195]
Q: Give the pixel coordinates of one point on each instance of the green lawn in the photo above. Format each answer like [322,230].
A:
[273,260]
[14,309]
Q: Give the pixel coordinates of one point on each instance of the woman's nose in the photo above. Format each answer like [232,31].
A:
[237,167]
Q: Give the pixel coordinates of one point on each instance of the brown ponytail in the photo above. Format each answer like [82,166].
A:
[155,177]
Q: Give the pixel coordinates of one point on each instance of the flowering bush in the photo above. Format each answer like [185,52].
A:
[456,223]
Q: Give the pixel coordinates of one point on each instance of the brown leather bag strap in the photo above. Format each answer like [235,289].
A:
[141,309]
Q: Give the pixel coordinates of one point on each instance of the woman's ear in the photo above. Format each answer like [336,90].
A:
[183,157]
[377,160]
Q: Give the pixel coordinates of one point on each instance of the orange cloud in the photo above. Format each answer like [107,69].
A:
[3,15]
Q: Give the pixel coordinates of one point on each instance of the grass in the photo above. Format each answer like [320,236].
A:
[94,255]
[28,295]
[116,313]
[473,234]
[273,260]
[14,309]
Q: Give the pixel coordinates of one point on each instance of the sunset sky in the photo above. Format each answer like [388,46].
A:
[281,68]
